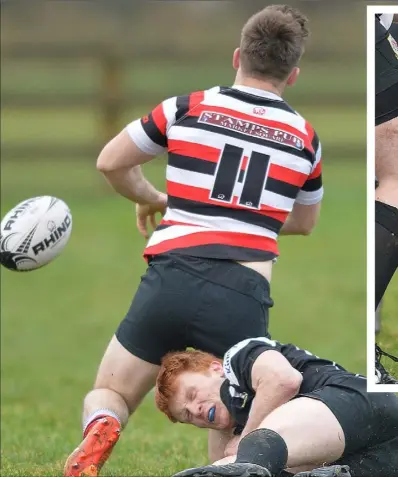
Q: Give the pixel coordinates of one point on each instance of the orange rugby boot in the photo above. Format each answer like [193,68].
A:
[87,459]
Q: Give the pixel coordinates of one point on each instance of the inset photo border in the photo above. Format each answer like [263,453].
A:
[371,175]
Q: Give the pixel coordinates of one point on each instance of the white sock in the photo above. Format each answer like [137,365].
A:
[96,414]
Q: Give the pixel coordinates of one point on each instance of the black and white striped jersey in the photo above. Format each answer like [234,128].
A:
[237,392]
[238,160]
[385,19]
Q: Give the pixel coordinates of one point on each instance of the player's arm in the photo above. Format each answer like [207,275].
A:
[275,382]
[301,220]
[307,207]
[121,159]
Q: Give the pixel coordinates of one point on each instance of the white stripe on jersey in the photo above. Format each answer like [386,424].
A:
[139,136]
[177,231]
[386,20]
[273,114]
[223,223]
[206,181]
[174,232]
[217,140]
[170,111]
[141,139]
[227,366]
[309,198]
[318,157]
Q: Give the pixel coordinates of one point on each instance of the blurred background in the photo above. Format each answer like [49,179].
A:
[73,73]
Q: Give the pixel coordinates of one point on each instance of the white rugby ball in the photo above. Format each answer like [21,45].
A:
[34,232]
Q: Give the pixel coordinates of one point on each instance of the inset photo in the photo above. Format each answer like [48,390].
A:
[383,179]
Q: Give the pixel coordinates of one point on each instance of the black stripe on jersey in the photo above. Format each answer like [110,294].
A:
[276,186]
[182,104]
[315,143]
[153,131]
[281,188]
[227,252]
[192,164]
[192,122]
[202,166]
[312,184]
[256,100]
[242,215]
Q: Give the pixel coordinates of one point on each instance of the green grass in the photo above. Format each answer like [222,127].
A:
[56,322]
[165,77]
[388,337]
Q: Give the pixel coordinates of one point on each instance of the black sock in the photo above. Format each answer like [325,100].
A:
[386,247]
[263,447]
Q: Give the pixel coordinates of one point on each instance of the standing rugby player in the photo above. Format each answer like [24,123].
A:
[386,83]
[243,167]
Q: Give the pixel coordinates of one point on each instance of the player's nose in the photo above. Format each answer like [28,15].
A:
[197,409]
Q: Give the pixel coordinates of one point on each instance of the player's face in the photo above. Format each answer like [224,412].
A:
[197,401]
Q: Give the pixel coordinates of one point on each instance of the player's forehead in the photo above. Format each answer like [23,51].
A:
[187,381]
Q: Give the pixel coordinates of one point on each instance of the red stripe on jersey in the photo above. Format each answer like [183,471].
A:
[196,98]
[317,171]
[247,117]
[243,165]
[159,118]
[175,222]
[310,132]
[190,149]
[199,194]
[287,175]
[212,154]
[195,239]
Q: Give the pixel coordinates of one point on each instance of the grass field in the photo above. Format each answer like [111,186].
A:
[57,321]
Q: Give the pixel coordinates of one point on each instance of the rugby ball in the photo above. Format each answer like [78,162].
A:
[34,232]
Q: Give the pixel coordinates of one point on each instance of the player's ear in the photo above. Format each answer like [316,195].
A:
[293,76]
[216,367]
[236,59]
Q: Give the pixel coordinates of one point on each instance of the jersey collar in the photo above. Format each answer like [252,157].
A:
[256,92]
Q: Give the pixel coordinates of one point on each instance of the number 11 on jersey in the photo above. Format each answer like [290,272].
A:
[228,172]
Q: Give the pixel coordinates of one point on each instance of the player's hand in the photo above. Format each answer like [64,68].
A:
[231,448]
[147,214]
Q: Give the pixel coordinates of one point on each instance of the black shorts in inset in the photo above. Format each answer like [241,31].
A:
[367,419]
[386,74]
[387,104]
[184,301]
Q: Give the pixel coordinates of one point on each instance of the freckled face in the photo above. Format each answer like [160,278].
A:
[197,401]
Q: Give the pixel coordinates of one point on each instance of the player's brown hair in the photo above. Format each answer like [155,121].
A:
[174,364]
[272,42]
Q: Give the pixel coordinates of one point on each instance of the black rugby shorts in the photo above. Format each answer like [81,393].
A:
[189,302]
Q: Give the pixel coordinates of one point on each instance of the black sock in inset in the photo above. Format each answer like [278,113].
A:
[263,447]
[386,247]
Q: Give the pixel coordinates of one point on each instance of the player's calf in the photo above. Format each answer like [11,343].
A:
[122,382]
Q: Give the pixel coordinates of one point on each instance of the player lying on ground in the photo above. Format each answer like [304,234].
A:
[287,408]
[243,167]
[386,89]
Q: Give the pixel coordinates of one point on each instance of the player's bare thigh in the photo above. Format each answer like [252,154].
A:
[312,433]
[122,372]
[387,162]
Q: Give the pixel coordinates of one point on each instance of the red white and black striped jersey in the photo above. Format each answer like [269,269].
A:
[238,159]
